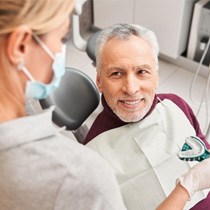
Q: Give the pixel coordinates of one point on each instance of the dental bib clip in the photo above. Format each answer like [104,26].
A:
[193,150]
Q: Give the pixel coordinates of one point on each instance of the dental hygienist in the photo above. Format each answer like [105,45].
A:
[39,168]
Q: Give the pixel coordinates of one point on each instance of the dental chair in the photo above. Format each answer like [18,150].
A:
[79,42]
[74,100]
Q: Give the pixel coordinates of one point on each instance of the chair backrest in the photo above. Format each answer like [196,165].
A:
[75,99]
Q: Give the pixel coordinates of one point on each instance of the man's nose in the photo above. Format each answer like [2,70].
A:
[131,85]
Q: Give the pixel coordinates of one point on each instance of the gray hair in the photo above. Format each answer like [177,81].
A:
[124,31]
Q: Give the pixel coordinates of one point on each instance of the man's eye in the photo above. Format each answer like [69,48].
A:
[116,74]
[142,71]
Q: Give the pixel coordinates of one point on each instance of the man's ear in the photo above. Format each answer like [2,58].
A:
[98,83]
[157,82]
[17,42]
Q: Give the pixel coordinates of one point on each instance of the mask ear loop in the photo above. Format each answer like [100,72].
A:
[44,46]
[21,67]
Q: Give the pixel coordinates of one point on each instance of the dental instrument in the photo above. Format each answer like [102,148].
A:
[193,150]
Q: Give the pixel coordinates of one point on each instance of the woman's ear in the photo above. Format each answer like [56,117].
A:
[17,43]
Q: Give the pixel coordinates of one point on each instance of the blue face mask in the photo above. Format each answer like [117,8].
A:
[38,90]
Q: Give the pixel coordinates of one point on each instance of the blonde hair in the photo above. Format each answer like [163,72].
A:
[41,16]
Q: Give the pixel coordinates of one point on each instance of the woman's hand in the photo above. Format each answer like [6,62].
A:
[197,178]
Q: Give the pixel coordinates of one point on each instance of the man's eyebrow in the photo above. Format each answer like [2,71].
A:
[118,68]
[144,66]
[115,68]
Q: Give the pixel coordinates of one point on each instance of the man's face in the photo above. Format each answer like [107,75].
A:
[128,77]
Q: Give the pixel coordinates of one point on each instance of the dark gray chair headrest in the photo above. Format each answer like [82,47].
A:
[91,46]
[75,99]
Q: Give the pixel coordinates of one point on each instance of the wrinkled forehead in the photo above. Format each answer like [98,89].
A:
[128,50]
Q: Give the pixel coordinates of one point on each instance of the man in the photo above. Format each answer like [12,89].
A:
[140,132]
